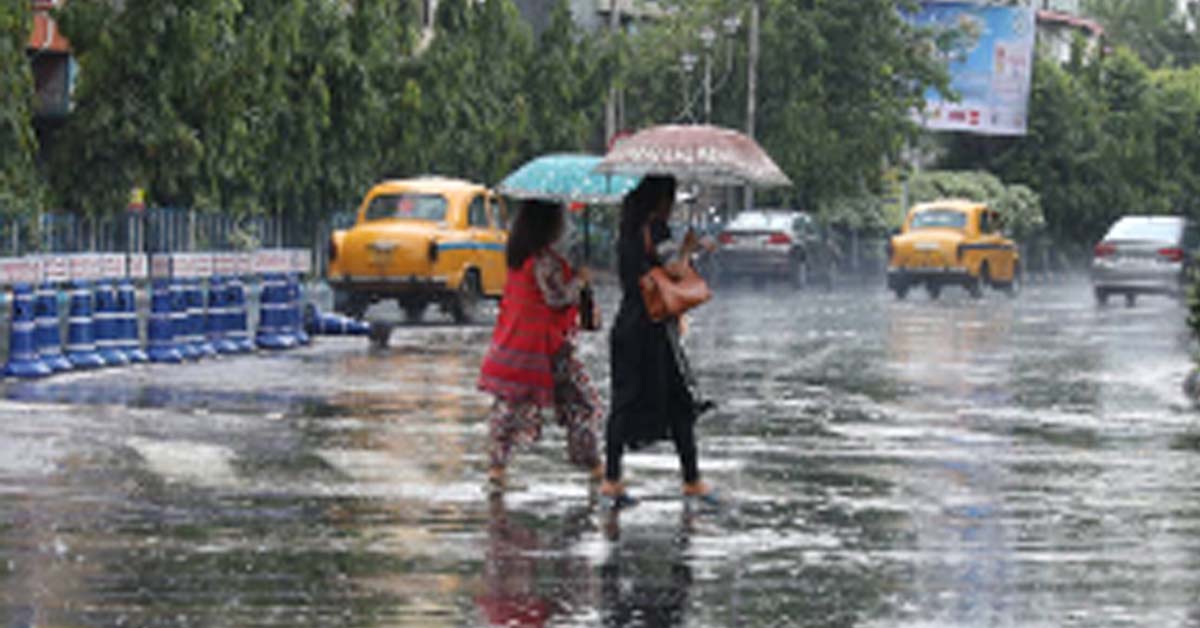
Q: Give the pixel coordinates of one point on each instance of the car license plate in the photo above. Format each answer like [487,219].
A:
[381,258]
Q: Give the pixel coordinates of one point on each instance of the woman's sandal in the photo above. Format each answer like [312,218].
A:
[620,501]
[703,495]
[614,497]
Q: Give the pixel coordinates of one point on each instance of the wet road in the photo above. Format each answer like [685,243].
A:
[1000,463]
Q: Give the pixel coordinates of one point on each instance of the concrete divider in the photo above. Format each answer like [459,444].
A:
[198,306]
[23,358]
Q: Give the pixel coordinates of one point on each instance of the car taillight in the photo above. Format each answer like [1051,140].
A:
[1171,254]
[332,250]
[779,238]
[725,238]
[1104,249]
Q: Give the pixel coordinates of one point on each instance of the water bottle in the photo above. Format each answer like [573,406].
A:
[587,320]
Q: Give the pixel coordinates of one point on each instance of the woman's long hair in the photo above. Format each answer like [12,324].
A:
[537,225]
[639,204]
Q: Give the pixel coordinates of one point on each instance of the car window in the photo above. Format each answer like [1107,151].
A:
[938,219]
[762,221]
[407,207]
[1145,229]
[985,222]
[499,213]
[477,213]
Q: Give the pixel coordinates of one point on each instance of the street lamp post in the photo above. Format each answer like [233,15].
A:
[709,39]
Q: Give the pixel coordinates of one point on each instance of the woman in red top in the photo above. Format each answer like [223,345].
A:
[531,366]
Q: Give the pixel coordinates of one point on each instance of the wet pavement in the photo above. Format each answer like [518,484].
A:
[1027,462]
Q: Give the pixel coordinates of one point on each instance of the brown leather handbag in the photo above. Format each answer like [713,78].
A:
[671,290]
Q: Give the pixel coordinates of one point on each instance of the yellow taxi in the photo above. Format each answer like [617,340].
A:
[952,242]
[421,241]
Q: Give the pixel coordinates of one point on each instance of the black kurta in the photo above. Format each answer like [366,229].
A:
[651,400]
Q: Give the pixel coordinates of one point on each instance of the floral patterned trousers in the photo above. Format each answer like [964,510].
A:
[576,407]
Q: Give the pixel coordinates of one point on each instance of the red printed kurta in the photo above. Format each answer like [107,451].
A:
[518,367]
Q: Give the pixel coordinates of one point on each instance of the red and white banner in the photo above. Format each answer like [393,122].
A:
[56,269]
[272,261]
[225,263]
[112,265]
[85,267]
[160,266]
[191,265]
[301,261]
[20,270]
[139,266]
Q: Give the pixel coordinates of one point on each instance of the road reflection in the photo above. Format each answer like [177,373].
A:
[646,579]
[531,575]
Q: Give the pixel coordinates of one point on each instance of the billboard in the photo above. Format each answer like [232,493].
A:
[990,63]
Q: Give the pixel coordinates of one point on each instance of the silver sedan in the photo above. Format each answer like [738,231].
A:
[1144,255]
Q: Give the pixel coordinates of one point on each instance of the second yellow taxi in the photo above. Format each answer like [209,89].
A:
[952,242]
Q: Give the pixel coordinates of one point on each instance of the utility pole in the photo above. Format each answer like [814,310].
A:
[708,88]
[610,107]
[752,88]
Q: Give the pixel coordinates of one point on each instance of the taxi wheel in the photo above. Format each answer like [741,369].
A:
[414,311]
[351,304]
[901,292]
[975,289]
[1101,297]
[934,290]
[985,274]
[465,308]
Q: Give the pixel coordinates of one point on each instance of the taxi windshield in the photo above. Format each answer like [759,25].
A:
[407,207]
[939,219]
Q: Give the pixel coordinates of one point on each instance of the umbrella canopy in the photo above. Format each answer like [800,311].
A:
[567,178]
[699,153]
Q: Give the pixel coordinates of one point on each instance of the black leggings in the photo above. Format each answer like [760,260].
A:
[683,432]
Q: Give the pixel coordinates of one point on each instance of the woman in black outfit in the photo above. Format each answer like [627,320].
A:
[652,396]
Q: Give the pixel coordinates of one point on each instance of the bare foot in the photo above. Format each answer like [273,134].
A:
[608,488]
[496,476]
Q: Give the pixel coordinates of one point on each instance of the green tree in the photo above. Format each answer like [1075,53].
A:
[1019,206]
[1154,29]
[469,115]
[20,190]
[566,83]
[1104,140]
[838,83]
[234,105]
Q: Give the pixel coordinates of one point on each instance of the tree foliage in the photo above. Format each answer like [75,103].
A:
[838,81]
[295,106]
[1019,207]
[1104,140]
[1154,29]
[19,186]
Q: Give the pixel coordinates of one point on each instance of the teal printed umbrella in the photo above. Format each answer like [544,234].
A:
[567,178]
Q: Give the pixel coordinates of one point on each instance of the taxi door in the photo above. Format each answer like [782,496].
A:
[996,249]
[494,240]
